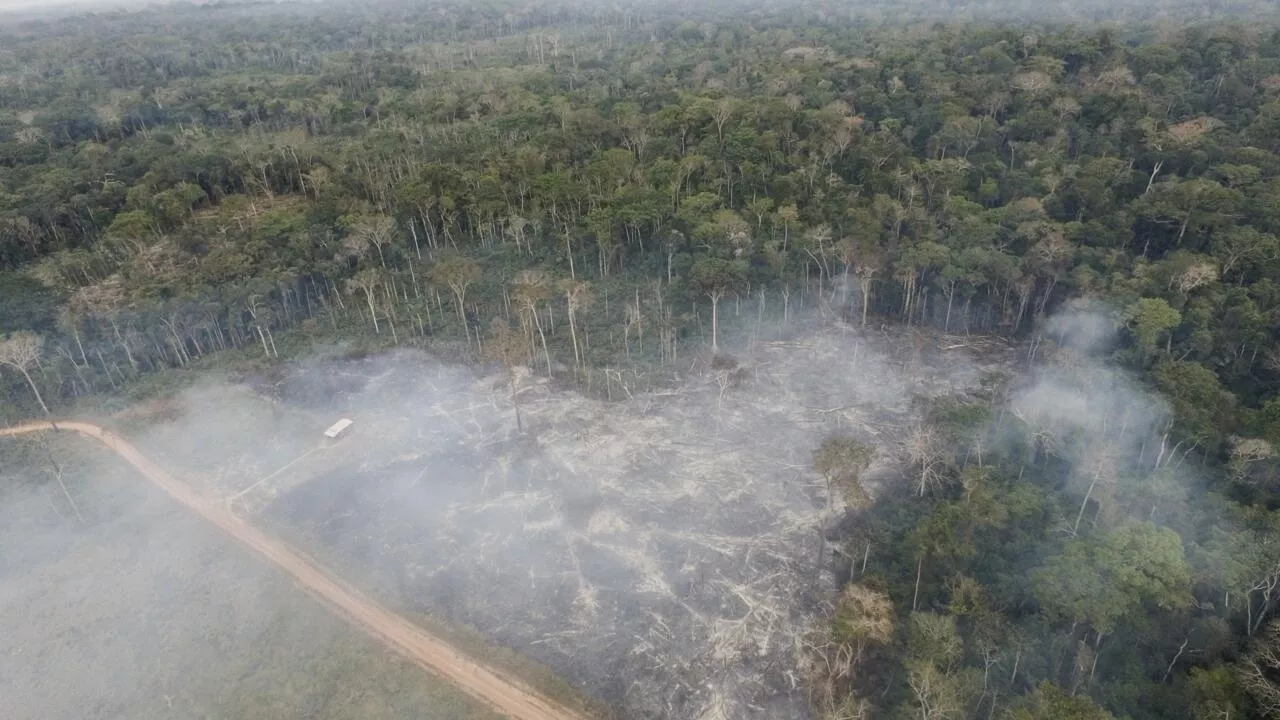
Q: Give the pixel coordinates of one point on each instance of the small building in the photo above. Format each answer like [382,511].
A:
[338,429]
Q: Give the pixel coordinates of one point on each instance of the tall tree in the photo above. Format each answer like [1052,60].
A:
[577,296]
[457,273]
[1105,580]
[716,277]
[21,351]
[841,460]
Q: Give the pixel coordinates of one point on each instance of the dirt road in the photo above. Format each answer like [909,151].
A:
[488,686]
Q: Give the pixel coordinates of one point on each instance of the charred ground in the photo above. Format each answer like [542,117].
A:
[668,554]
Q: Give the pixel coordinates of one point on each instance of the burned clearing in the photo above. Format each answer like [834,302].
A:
[664,553]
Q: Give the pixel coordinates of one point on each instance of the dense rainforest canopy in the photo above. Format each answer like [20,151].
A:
[582,188]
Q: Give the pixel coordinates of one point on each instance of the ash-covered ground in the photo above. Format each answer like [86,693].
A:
[664,553]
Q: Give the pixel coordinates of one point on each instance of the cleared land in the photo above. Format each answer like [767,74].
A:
[670,553]
[488,686]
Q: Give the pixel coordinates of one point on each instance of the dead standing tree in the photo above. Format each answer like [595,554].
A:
[262,323]
[1103,474]
[55,469]
[27,452]
[530,288]
[104,301]
[508,347]
[863,620]
[577,295]
[1257,672]
[21,351]
[375,230]
[866,266]
[924,451]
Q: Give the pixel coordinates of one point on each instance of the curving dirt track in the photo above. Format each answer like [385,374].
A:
[488,686]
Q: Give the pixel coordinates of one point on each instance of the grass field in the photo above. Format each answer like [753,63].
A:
[143,611]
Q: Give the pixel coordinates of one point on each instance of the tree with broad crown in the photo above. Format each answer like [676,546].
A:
[715,278]
[1240,250]
[1050,702]
[375,230]
[1215,692]
[1245,563]
[1149,319]
[1102,580]
[507,347]
[367,281]
[1202,407]
[866,261]
[787,215]
[841,460]
[933,646]
[530,287]
[21,351]
[457,273]
[864,618]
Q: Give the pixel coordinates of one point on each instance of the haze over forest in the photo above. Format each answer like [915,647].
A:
[708,360]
